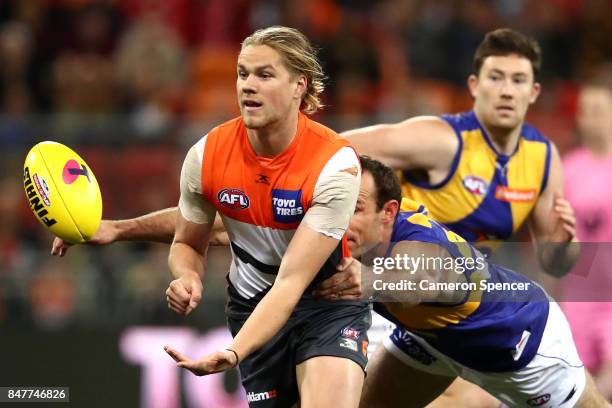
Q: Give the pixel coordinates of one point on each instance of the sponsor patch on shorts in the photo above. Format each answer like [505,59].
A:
[348,343]
[261,396]
[350,333]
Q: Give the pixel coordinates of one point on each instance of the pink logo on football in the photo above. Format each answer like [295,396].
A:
[72,171]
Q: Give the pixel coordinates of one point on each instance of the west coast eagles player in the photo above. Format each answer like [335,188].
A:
[514,343]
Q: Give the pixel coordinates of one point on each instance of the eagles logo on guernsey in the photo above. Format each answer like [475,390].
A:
[488,330]
[486,195]
[262,201]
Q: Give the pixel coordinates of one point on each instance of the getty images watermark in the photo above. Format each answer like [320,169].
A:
[422,273]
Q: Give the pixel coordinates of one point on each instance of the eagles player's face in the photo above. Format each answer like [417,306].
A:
[365,227]
[503,91]
[267,91]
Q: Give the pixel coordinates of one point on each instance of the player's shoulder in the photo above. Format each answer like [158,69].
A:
[322,133]
[533,134]
[414,224]
[223,134]
[461,121]
[229,126]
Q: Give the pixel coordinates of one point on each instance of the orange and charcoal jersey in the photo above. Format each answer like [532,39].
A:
[487,196]
[263,200]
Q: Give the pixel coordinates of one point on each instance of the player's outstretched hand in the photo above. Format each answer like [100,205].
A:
[216,362]
[107,234]
[185,293]
[344,284]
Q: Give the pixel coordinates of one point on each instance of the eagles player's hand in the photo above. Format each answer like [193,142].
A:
[565,220]
[344,284]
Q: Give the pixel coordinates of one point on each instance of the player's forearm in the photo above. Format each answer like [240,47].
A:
[157,226]
[303,259]
[558,258]
[184,259]
[219,234]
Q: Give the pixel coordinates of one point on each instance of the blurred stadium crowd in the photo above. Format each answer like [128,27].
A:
[131,84]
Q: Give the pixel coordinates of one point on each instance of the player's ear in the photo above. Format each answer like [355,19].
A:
[472,83]
[535,92]
[302,86]
[389,211]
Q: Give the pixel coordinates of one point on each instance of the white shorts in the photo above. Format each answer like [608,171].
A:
[380,330]
[554,378]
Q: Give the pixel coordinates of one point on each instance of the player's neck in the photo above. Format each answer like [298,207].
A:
[387,233]
[504,140]
[272,140]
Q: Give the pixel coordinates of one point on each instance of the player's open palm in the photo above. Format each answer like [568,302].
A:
[216,362]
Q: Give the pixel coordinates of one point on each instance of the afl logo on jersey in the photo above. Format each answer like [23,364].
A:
[233,198]
[475,185]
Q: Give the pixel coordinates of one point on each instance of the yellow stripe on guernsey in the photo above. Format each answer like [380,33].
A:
[427,317]
[453,202]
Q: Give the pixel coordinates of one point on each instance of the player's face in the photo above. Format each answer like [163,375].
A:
[267,91]
[503,91]
[365,228]
[594,118]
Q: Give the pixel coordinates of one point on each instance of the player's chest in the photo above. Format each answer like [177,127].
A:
[263,197]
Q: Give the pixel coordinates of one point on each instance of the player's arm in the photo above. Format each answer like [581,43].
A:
[317,236]
[553,224]
[194,224]
[157,226]
[425,142]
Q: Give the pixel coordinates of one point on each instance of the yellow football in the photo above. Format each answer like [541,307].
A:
[62,191]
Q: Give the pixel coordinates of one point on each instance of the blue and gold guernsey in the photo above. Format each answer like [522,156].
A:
[486,195]
[489,330]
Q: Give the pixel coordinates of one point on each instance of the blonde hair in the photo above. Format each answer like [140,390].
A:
[299,56]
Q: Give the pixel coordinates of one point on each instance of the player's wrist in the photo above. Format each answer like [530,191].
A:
[236,358]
